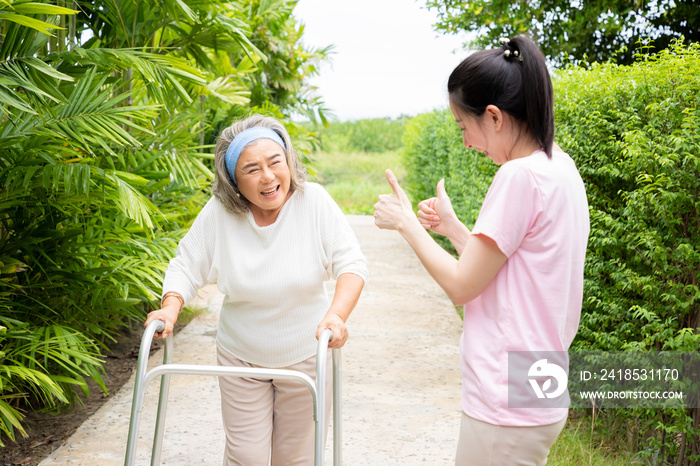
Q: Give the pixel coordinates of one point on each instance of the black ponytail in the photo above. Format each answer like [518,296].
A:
[515,79]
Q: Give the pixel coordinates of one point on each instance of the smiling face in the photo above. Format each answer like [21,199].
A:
[474,134]
[495,133]
[264,179]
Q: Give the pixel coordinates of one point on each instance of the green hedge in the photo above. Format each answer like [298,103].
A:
[634,132]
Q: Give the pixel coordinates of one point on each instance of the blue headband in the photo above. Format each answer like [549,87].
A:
[240,142]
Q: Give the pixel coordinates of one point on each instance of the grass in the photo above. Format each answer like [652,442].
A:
[580,445]
[355,180]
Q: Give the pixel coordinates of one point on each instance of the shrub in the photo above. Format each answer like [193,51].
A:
[633,132]
[637,145]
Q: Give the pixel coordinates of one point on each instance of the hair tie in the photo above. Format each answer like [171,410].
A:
[240,142]
[508,50]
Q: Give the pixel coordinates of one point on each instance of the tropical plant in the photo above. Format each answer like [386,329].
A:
[276,80]
[78,191]
[282,76]
[103,165]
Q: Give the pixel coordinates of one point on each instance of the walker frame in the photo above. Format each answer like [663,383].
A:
[318,393]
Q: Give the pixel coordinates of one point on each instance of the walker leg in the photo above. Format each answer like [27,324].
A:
[337,409]
[134,421]
[321,360]
[139,388]
[320,423]
[162,405]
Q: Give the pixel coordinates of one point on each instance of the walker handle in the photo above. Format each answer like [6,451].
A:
[160,326]
[326,335]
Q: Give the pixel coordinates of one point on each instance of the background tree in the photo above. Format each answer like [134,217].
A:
[566,30]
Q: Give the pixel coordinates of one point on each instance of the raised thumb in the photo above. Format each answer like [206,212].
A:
[393,182]
[441,193]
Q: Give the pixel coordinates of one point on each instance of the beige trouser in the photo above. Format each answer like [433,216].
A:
[267,421]
[483,444]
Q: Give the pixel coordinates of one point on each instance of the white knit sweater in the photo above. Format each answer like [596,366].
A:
[272,277]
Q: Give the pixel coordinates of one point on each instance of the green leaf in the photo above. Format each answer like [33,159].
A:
[42,67]
[36,24]
[41,9]
[11,99]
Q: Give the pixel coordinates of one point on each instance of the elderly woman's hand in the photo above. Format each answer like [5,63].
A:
[335,324]
[347,293]
[168,314]
[393,211]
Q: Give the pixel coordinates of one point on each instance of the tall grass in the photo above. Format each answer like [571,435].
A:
[351,159]
[579,444]
[368,135]
[355,180]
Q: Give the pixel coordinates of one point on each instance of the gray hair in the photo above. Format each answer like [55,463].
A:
[223,187]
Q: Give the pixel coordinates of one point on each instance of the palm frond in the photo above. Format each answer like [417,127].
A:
[36,24]
[157,72]
[132,203]
[10,419]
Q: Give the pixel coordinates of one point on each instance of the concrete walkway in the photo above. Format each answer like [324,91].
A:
[401,381]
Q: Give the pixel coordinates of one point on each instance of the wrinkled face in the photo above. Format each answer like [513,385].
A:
[264,178]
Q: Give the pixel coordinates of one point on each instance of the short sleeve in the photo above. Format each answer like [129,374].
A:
[510,207]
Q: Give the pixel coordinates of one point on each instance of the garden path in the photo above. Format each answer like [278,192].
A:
[401,380]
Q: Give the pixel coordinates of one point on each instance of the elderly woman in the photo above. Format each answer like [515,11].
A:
[268,239]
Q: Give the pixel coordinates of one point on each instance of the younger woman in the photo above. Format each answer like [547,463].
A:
[520,270]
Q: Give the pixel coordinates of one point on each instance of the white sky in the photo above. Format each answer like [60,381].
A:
[388,60]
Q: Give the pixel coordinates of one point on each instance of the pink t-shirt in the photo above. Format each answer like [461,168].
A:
[537,213]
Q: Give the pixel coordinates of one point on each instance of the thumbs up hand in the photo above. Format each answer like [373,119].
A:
[437,214]
[394,210]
